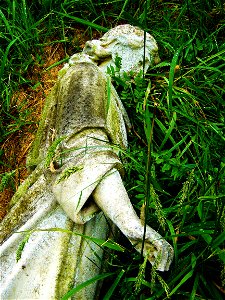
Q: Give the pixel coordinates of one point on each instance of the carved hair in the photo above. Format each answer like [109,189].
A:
[129,35]
[121,41]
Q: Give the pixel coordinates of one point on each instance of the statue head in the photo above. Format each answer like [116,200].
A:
[127,43]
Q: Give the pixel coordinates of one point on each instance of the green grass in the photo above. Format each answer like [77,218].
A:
[176,157]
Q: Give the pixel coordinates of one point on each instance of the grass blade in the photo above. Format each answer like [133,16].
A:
[169,130]
[185,278]
[86,283]
[4,59]
[112,288]
[171,77]
[108,243]
[195,286]
[219,240]
[173,234]
[84,22]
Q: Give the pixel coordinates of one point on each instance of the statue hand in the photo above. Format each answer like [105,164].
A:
[159,251]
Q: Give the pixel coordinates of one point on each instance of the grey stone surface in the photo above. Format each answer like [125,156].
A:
[76,173]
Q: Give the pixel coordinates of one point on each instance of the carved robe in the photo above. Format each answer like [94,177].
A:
[85,114]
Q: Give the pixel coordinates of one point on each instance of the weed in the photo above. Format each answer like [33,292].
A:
[51,153]
[6,179]
[69,172]
[21,247]
[176,156]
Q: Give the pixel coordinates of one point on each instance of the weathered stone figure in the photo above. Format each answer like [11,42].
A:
[76,173]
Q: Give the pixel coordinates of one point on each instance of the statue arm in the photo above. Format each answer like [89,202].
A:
[111,196]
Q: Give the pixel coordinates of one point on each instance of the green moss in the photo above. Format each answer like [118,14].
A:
[23,204]
[63,71]
[52,151]
[26,184]
[21,247]
[66,173]
[44,132]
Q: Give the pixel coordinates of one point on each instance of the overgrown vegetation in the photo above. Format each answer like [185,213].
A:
[175,164]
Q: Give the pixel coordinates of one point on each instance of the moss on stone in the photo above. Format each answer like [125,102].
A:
[45,131]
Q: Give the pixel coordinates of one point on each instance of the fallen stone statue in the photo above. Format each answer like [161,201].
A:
[75,183]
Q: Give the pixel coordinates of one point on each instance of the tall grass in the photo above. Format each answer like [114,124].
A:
[177,113]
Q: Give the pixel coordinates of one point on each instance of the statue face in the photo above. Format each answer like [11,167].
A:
[132,60]
[127,43]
